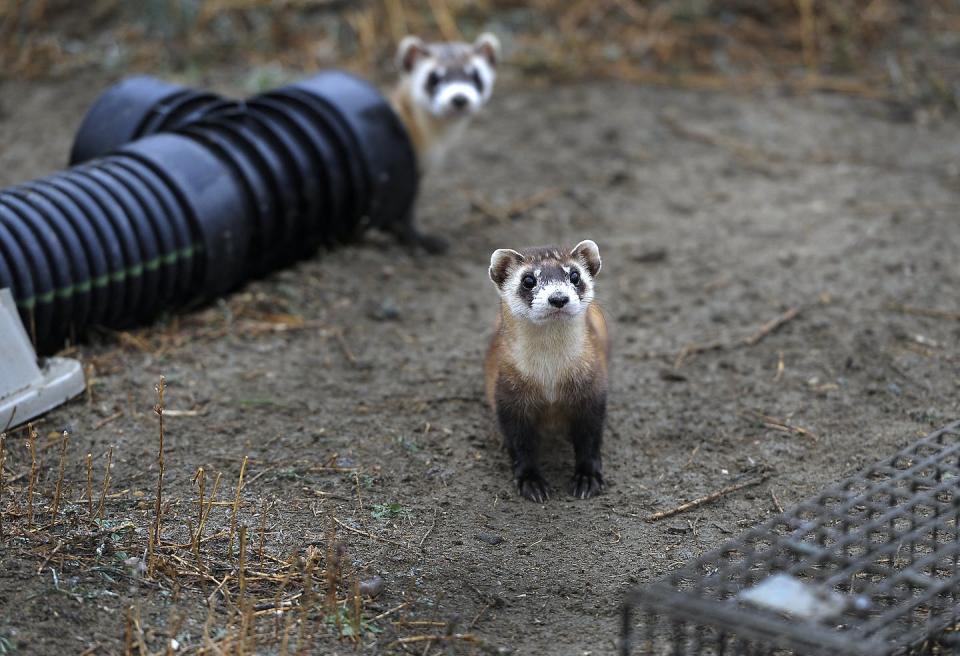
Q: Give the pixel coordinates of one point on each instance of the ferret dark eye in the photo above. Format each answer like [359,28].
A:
[529,281]
[575,277]
[477,80]
[433,80]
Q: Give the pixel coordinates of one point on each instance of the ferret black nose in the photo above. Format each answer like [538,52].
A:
[558,300]
[459,101]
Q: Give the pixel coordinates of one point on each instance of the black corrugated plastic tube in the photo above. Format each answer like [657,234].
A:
[145,221]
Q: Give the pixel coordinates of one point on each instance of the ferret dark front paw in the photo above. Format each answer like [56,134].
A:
[586,484]
[532,486]
[432,244]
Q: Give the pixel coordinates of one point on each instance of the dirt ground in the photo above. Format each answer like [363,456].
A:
[715,213]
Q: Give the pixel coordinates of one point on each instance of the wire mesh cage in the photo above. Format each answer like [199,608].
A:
[869,566]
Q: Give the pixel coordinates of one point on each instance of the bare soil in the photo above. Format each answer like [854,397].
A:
[715,214]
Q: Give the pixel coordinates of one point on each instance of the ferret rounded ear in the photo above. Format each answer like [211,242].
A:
[409,51]
[588,252]
[487,46]
[500,263]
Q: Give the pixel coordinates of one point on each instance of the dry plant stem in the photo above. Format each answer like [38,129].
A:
[90,487]
[33,471]
[308,601]
[236,505]
[750,340]
[88,382]
[63,455]
[141,643]
[344,347]
[285,641]
[779,425]
[263,531]
[198,478]
[195,547]
[242,564]
[128,632]
[397,19]
[776,501]
[357,607]
[3,459]
[699,501]
[206,513]
[278,605]
[106,484]
[173,629]
[333,566]
[158,507]
[925,312]
[445,20]
[370,535]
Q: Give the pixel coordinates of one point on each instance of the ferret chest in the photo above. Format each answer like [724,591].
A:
[549,358]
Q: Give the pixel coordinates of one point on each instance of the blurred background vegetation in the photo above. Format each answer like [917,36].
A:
[906,51]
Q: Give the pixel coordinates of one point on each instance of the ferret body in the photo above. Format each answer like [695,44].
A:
[441,87]
[546,367]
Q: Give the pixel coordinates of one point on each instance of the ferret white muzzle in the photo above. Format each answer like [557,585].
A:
[555,300]
[456,99]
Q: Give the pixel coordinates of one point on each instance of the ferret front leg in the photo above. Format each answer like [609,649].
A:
[523,444]
[407,234]
[586,432]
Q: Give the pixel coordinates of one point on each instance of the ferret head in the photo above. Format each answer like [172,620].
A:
[450,80]
[546,284]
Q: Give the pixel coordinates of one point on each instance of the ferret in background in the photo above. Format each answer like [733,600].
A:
[546,368]
[442,85]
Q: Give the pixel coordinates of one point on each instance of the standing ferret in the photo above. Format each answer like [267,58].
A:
[441,86]
[546,368]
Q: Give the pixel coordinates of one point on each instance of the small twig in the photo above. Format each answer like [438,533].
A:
[356,478]
[466,637]
[521,206]
[699,501]
[106,484]
[236,505]
[776,501]
[158,508]
[263,529]
[780,367]
[90,487]
[390,612]
[88,380]
[342,342]
[735,146]
[63,455]
[778,424]
[429,530]
[370,535]
[103,422]
[924,312]
[357,606]
[750,340]
[771,326]
[517,208]
[3,459]
[206,513]
[33,471]
[477,617]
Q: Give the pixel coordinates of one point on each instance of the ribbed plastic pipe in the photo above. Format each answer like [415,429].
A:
[320,160]
[117,241]
[179,195]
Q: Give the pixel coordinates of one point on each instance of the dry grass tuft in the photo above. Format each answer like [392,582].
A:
[255,592]
[882,47]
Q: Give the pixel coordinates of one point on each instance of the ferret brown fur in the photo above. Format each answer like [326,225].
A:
[546,370]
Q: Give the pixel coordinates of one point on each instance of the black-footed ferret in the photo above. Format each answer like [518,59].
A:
[441,86]
[546,368]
